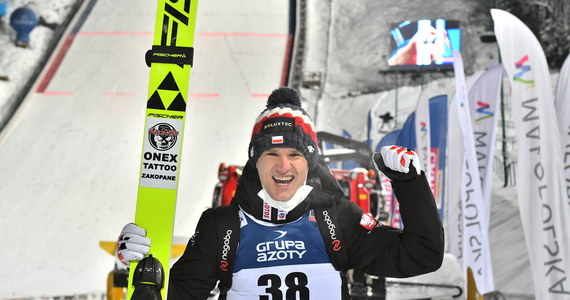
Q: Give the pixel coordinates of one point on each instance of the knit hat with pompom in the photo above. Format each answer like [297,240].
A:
[284,124]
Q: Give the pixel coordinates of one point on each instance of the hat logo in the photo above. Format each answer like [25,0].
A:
[278,139]
[311,149]
[278,124]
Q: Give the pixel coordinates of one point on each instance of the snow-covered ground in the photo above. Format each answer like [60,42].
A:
[73,182]
[17,64]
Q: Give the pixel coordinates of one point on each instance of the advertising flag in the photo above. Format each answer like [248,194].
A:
[407,138]
[391,138]
[476,252]
[545,213]
[562,101]
[389,199]
[453,188]
[423,137]
[438,141]
[484,102]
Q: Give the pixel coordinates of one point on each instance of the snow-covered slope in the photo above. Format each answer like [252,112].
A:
[70,158]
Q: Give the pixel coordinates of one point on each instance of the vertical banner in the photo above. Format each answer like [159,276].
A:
[453,191]
[407,136]
[484,103]
[391,138]
[423,137]
[476,252]
[438,131]
[562,101]
[389,200]
[545,213]
[406,139]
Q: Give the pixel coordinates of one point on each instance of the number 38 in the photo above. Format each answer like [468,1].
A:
[296,283]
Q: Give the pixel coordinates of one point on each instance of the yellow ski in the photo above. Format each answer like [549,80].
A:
[170,62]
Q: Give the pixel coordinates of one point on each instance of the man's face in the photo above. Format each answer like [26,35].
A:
[282,172]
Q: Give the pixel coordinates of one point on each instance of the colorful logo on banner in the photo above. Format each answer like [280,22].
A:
[423,128]
[482,109]
[522,70]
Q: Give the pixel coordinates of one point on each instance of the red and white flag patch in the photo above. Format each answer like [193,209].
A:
[367,221]
[278,139]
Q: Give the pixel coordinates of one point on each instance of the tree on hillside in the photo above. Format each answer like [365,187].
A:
[549,20]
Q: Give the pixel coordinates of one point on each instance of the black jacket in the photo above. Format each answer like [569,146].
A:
[382,251]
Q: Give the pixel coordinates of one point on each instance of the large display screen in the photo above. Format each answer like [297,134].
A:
[427,44]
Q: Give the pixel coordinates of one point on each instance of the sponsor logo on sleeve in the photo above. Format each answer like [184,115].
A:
[367,221]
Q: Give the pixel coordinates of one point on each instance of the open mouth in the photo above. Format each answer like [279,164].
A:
[283,180]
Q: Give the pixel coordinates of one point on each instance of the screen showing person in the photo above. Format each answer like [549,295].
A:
[424,44]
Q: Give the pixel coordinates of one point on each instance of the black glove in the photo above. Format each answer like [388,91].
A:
[397,163]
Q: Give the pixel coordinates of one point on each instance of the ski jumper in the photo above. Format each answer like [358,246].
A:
[283,258]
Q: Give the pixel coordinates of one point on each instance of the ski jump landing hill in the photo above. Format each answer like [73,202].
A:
[70,156]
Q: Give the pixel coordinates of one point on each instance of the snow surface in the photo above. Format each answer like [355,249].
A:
[70,157]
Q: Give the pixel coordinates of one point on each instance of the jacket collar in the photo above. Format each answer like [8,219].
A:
[246,196]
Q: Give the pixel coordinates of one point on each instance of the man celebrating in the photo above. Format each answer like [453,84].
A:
[289,232]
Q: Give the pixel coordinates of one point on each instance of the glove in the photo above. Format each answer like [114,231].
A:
[397,163]
[132,244]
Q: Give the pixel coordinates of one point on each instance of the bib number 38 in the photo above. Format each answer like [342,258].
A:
[296,283]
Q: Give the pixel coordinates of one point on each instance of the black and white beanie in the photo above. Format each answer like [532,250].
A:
[284,124]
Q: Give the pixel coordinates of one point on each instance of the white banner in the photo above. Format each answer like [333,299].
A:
[423,137]
[540,186]
[563,113]
[455,161]
[484,102]
[476,253]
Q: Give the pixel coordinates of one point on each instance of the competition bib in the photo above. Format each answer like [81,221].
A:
[283,262]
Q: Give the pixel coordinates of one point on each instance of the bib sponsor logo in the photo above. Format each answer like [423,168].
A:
[280,250]
[332,231]
[281,233]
